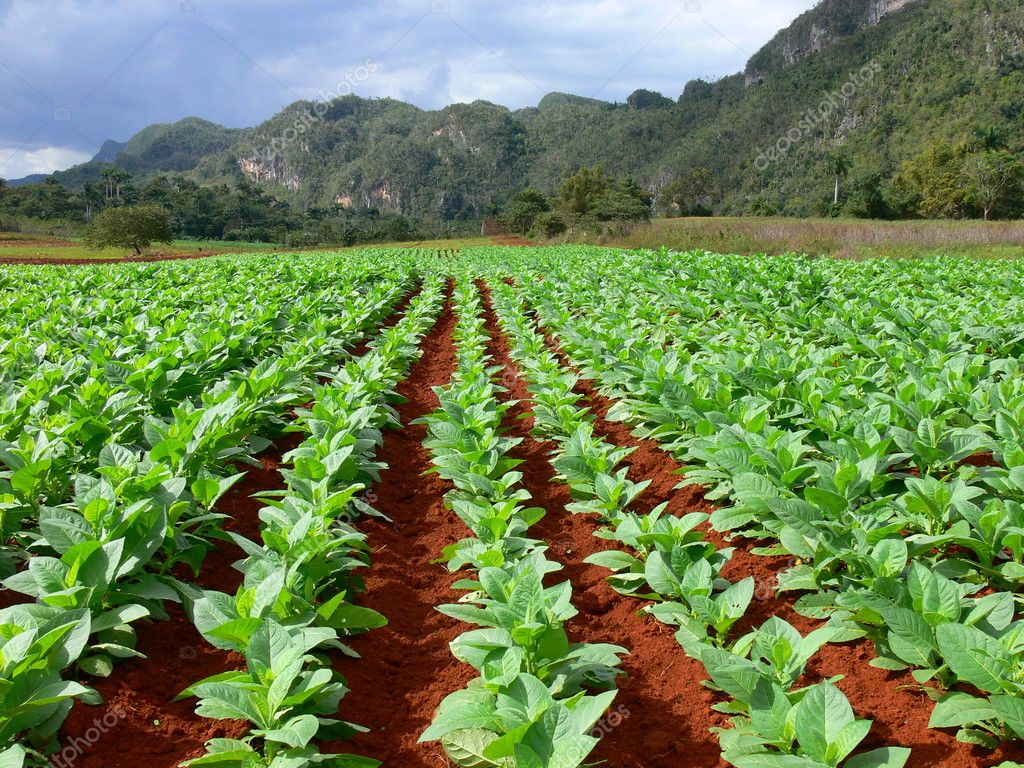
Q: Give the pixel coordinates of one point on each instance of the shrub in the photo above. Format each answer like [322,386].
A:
[551,224]
[133,226]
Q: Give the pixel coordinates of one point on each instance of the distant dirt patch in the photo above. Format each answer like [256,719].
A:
[58,262]
[11,242]
[511,240]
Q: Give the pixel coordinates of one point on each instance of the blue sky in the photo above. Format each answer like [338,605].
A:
[74,73]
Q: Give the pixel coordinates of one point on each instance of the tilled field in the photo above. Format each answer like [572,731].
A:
[675,510]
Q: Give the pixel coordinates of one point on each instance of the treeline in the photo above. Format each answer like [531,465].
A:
[239,212]
[976,177]
[590,200]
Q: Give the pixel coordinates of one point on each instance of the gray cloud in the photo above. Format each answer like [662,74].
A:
[76,72]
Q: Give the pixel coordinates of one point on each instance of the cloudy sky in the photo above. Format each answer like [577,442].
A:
[74,73]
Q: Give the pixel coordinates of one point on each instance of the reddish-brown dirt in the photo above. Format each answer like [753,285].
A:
[511,240]
[141,725]
[900,711]
[406,668]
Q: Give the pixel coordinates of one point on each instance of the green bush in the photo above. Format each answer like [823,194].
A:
[133,226]
[551,224]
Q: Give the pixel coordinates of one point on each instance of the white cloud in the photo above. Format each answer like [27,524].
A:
[16,163]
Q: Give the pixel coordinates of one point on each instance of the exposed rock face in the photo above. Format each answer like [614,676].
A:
[820,37]
[816,30]
[261,169]
[882,8]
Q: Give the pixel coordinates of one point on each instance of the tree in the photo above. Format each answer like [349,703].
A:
[115,181]
[991,180]
[866,196]
[931,184]
[987,138]
[592,193]
[577,194]
[644,99]
[132,226]
[693,193]
[551,224]
[522,210]
[839,164]
[622,200]
[92,198]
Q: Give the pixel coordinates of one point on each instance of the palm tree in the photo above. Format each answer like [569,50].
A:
[988,138]
[839,163]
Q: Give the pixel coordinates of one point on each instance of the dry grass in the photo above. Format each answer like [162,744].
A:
[829,237]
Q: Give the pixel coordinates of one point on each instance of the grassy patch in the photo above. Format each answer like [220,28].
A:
[843,238]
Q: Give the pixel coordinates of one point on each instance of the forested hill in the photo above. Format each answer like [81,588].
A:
[886,79]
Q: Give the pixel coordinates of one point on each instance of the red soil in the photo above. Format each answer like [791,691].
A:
[406,668]
[980,460]
[131,259]
[512,240]
[900,713]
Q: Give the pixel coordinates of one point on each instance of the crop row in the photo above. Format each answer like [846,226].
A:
[295,603]
[531,704]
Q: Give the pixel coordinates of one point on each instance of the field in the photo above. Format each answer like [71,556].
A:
[853,238]
[27,248]
[19,248]
[512,507]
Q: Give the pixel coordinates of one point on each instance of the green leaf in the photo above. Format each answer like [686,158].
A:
[466,747]
[884,757]
[820,718]
[973,656]
[958,709]
[1010,709]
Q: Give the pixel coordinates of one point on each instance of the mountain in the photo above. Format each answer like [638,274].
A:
[109,151]
[878,78]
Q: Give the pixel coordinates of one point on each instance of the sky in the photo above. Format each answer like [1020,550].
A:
[74,73]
